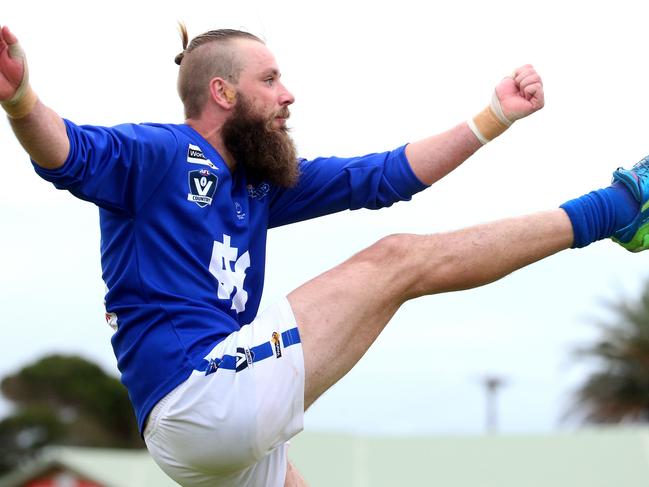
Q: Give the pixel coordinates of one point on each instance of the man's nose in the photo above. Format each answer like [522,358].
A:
[286,97]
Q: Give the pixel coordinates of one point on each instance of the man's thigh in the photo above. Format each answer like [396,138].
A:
[341,312]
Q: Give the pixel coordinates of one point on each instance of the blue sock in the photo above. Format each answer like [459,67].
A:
[600,213]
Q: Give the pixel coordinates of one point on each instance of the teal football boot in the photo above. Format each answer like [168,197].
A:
[635,236]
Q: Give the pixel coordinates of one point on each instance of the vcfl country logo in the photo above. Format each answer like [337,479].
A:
[202,185]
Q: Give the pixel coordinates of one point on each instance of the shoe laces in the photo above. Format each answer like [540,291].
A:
[641,168]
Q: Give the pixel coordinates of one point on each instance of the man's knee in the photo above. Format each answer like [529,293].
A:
[393,248]
[402,259]
[424,264]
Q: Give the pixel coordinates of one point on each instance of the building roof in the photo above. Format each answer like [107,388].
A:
[588,458]
[585,458]
[108,467]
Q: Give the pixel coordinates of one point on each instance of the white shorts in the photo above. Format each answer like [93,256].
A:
[229,425]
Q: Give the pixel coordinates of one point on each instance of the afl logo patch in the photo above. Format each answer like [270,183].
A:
[202,185]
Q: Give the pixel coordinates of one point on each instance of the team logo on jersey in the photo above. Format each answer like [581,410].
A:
[230,272]
[238,210]
[276,342]
[202,185]
[257,193]
[195,156]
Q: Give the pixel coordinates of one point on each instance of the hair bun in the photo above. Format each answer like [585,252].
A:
[184,37]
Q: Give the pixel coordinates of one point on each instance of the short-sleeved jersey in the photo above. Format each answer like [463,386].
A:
[183,238]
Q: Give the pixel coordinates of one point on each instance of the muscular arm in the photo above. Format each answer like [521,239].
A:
[434,157]
[38,128]
[515,97]
[42,134]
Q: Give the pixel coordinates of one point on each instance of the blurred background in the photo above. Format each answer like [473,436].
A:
[513,358]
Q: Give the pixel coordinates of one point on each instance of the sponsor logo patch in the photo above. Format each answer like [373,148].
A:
[249,356]
[195,156]
[277,343]
[202,185]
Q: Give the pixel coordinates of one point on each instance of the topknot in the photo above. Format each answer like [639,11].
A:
[182,28]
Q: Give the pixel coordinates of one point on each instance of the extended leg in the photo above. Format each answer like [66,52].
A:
[341,312]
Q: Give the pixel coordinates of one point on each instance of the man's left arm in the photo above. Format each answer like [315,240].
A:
[515,97]
[329,185]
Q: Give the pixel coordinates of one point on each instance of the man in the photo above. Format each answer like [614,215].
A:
[217,389]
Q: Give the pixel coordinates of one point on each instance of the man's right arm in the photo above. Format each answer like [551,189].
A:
[39,129]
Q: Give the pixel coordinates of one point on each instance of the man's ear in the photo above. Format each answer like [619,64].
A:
[223,93]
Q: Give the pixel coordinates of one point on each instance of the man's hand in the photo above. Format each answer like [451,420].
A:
[12,64]
[520,94]
[38,128]
[16,96]
[515,97]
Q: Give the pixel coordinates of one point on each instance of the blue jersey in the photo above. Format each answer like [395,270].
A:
[183,239]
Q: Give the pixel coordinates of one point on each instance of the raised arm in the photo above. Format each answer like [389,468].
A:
[39,129]
[515,97]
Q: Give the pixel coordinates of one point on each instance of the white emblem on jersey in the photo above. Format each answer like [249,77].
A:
[230,277]
[238,210]
[195,156]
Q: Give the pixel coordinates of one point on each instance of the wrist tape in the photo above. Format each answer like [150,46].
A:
[490,122]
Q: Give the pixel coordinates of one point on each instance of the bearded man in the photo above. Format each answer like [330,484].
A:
[217,388]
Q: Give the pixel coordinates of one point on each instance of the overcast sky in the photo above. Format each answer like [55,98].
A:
[368,76]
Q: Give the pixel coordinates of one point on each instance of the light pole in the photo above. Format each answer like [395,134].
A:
[492,384]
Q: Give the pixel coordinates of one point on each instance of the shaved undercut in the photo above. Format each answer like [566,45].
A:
[209,55]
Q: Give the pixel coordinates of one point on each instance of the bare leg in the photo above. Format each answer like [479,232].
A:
[294,478]
[341,312]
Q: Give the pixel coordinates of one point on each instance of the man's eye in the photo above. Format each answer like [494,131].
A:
[269,81]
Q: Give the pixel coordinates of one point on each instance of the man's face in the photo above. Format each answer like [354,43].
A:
[259,82]
[255,133]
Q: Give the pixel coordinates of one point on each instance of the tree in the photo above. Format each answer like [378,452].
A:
[619,390]
[64,400]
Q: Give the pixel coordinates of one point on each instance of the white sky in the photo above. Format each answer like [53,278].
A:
[368,76]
